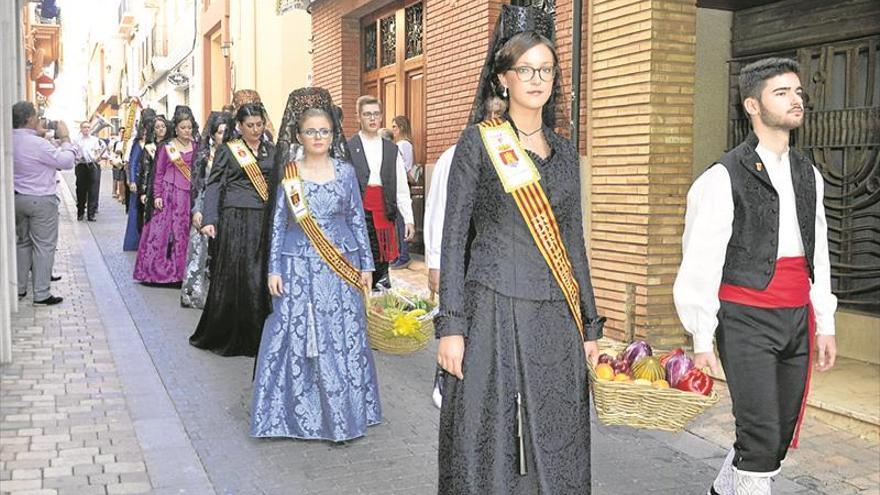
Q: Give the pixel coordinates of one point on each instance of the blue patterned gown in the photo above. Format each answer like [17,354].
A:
[315,377]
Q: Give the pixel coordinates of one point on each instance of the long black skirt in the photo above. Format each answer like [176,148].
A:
[238,298]
[479,449]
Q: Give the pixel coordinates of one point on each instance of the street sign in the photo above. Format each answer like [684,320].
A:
[45,85]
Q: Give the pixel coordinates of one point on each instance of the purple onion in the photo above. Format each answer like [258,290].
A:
[637,350]
[676,367]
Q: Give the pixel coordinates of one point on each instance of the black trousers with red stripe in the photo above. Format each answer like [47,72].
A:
[765,354]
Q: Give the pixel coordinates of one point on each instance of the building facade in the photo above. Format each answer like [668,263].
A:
[30,47]
[657,104]
[262,45]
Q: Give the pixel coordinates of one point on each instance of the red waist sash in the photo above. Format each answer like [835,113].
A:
[789,288]
[374,202]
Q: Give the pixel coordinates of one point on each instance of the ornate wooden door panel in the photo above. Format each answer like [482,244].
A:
[393,69]
[841,132]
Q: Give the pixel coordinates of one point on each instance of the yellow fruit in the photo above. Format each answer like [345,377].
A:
[660,384]
[641,381]
[622,377]
[648,368]
[604,371]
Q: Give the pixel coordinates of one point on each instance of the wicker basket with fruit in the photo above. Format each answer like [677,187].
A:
[399,323]
[633,387]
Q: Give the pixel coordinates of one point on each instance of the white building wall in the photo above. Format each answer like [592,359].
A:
[11,90]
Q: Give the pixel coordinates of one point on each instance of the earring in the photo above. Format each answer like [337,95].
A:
[504,93]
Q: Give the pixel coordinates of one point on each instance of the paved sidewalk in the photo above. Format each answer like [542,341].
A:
[64,424]
[83,409]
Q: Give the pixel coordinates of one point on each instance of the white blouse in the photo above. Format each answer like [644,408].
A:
[708,227]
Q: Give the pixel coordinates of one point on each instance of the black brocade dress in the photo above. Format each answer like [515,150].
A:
[519,334]
[238,297]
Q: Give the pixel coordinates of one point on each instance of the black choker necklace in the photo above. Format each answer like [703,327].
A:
[530,134]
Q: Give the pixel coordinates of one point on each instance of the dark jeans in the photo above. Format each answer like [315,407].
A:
[765,357]
[402,244]
[88,186]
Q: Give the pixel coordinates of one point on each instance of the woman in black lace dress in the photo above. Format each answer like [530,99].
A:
[515,417]
[234,216]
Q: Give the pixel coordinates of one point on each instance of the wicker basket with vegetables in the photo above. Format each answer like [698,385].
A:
[635,388]
[400,323]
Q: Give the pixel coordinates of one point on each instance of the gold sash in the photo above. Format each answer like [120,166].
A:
[296,200]
[520,178]
[248,162]
[177,160]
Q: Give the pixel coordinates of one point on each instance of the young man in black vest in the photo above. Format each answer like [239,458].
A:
[755,274]
[382,179]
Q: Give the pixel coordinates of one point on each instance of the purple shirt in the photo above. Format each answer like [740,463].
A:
[35,162]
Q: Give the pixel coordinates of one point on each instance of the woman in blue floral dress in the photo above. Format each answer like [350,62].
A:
[315,377]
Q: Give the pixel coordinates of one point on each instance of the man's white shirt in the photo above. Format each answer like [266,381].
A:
[88,148]
[708,227]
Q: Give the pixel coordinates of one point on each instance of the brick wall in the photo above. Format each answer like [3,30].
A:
[456,39]
[641,152]
[336,60]
[457,36]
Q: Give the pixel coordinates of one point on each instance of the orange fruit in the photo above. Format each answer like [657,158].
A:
[604,371]
[622,377]
[660,384]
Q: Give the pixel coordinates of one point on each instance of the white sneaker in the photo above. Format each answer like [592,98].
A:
[724,482]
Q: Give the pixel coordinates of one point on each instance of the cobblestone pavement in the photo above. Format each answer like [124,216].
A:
[207,397]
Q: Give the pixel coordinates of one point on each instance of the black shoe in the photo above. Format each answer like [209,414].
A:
[22,295]
[79,217]
[92,219]
[55,278]
[49,301]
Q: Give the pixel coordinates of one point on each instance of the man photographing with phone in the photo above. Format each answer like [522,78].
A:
[35,162]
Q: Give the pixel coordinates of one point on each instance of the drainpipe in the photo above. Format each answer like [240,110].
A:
[183,58]
[577,13]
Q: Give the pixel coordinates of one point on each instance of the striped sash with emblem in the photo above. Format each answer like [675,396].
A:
[296,200]
[177,160]
[521,180]
[248,162]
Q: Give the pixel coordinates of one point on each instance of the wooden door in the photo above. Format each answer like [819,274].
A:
[394,70]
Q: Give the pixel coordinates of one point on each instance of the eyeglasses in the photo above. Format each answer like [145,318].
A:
[525,73]
[371,115]
[322,132]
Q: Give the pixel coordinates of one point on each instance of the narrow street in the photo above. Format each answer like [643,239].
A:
[190,408]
